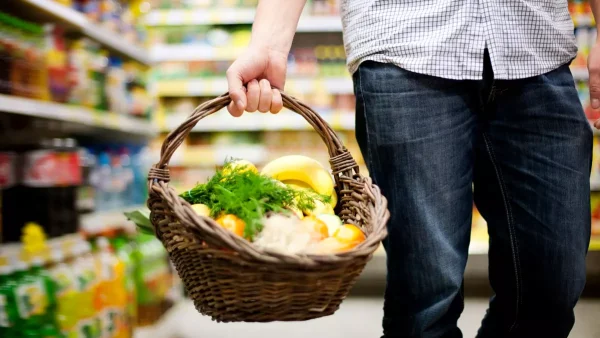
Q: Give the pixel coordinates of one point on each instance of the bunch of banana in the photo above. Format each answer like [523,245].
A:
[301,172]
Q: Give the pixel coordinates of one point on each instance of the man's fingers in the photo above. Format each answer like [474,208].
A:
[234,110]
[594,84]
[277,102]
[266,96]
[236,92]
[253,95]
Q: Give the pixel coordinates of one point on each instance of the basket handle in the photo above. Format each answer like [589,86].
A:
[340,157]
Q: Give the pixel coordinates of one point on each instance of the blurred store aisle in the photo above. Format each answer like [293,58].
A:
[358,318]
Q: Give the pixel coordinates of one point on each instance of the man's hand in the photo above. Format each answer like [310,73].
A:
[261,69]
[594,81]
[258,69]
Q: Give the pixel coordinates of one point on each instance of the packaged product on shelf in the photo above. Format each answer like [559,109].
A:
[111,296]
[65,288]
[98,69]
[8,307]
[115,86]
[8,192]
[21,59]
[85,193]
[51,172]
[153,277]
[89,323]
[81,84]
[138,100]
[57,63]
[109,14]
[6,46]
[124,251]
[90,8]
[32,297]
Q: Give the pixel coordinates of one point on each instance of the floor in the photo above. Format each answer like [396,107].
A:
[357,318]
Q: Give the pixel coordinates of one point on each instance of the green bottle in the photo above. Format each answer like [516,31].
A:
[8,310]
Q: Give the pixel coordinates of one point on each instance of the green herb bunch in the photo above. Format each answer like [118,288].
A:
[248,195]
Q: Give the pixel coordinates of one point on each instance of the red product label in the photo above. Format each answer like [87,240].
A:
[49,168]
[7,170]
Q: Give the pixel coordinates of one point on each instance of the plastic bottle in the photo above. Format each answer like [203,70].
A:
[31,299]
[103,181]
[8,191]
[58,72]
[111,296]
[8,310]
[98,70]
[119,177]
[128,177]
[115,86]
[80,84]
[85,193]
[89,324]
[124,250]
[39,274]
[65,283]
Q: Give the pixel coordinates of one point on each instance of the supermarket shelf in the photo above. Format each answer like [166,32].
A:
[191,52]
[316,24]
[218,86]
[285,120]
[9,252]
[80,115]
[100,221]
[227,16]
[211,156]
[56,12]
[180,17]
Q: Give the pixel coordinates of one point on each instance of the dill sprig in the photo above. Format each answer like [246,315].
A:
[249,195]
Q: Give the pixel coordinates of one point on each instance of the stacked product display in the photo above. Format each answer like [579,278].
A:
[67,180]
[39,62]
[120,17]
[95,287]
[76,121]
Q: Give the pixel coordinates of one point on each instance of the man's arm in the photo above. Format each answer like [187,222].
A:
[264,63]
[275,23]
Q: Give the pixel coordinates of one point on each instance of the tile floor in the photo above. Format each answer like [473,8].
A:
[357,318]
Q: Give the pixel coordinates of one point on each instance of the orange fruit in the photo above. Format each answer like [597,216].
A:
[331,245]
[317,227]
[233,224]
[349,234]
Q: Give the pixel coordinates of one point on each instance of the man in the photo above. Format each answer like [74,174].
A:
[460,101]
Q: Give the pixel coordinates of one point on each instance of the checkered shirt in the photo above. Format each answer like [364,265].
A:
[447,38]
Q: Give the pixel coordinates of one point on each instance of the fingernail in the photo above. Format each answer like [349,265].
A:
[595,103]
[239,104]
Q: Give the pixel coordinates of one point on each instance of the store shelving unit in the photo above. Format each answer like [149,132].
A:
[77,114]
[218,86]
[52,11]
[181,17]
[227,16]
[284,120]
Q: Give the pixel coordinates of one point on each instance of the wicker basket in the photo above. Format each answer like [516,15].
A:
[229,278]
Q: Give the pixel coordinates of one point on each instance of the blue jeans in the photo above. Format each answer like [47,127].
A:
[521,150]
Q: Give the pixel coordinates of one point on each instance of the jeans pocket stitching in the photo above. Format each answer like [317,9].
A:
[511,228]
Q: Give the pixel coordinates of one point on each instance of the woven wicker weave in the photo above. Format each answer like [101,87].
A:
[229,278]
